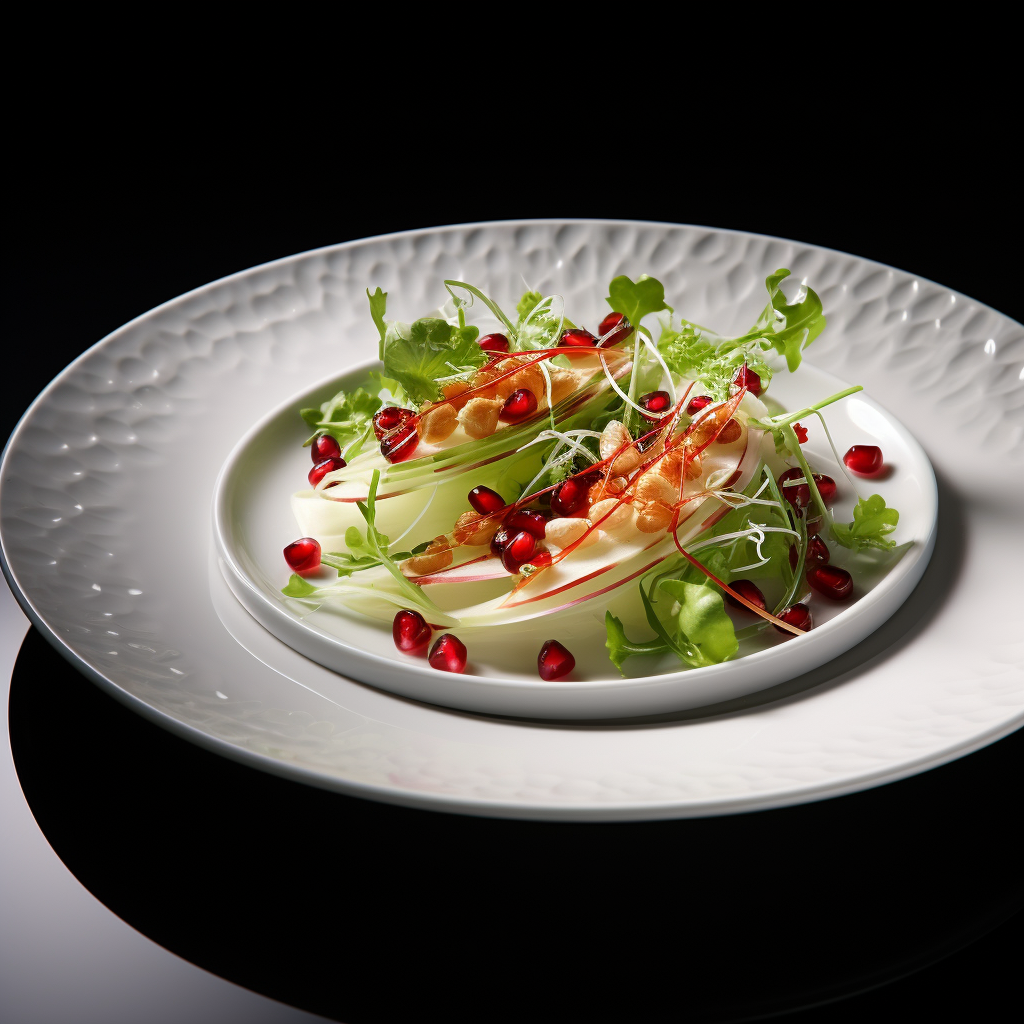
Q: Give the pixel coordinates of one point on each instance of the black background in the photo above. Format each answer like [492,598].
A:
[370,913]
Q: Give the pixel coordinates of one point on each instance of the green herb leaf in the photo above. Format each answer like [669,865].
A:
[620,647]
[789,327]
[298,587]
[378,307]
[347,417]
[635,299]
[872,523]
[703,621]
[524,307]
[417,355]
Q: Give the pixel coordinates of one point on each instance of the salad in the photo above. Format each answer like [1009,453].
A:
[479,479]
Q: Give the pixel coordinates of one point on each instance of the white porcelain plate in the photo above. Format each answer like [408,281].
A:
[253,521]
[107,483]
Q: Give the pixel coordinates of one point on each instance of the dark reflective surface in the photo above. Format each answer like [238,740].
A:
[365,912]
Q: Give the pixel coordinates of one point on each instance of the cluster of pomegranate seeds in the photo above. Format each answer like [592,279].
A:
[730,432]
[746,378]
[303,555]
[570,495]
[831,581]
[656,402]
[321,469]
[554,661]
[485,501]
[324,447]
[518,550]
[613,329]
[577,337]
[525,519]
[749,590]
[801,433]
[448,654]
[400,444]
[864,459]
[411,632]
[696,404]
[518,406]
[387,419]
[493,343]
[798,615]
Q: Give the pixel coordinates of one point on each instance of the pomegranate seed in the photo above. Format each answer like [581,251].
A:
[324,447]
[730,432]
[864,459]
[554,661]
[493,343]
[826,488]
[570,494]
[613,329]
[540,559]
[817,552]
[656,402]
[518,551]
[411,632]
[448,654]
[577,337]
[321,469]
[387,419]
[485,501]
[831,581]
[400,444]
[801,433]
[518,405]
[499,540]
[523,519]
[798,495]
[698,403]
[798,615]
[813,526]
[303,555]
[746,378]
[748,590]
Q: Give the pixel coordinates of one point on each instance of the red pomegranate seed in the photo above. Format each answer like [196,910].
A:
[801,433]
[817,552]
[813,526]
[321,469]
[613,329]
[570,495]
[746,378]
[798,495]
[748,590]
[730,432]
[518,405]
[864,459]
[540,559]
[485,501]
[499,540]
[554,661]
[831,581]
[448,654]
[518,551]
[303,555]
[387,419]
[493,343]
[656,402]
[826,488]
[523,519]
[798,615]
[324,447]
[577,337]
[411,632]
[698,403]
[400,444]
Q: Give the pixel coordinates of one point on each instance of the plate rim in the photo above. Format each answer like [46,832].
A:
[478,806]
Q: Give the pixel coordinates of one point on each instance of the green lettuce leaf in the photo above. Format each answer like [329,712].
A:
[872,523]
[420,354]
[703,622]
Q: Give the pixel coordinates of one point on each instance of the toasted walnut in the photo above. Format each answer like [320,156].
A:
[654,487]
[479,417]
[670,467]
[654,517]
[438,423]
[620,513]
[563,384]
[437,556]
[613,437]
[606,488]
[453,389]
[471,529]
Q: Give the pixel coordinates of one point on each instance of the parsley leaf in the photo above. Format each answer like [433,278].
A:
[420,354]
[789,327]
[872,522]
[347,417]
[620,647]
[635,299]
[378,306]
